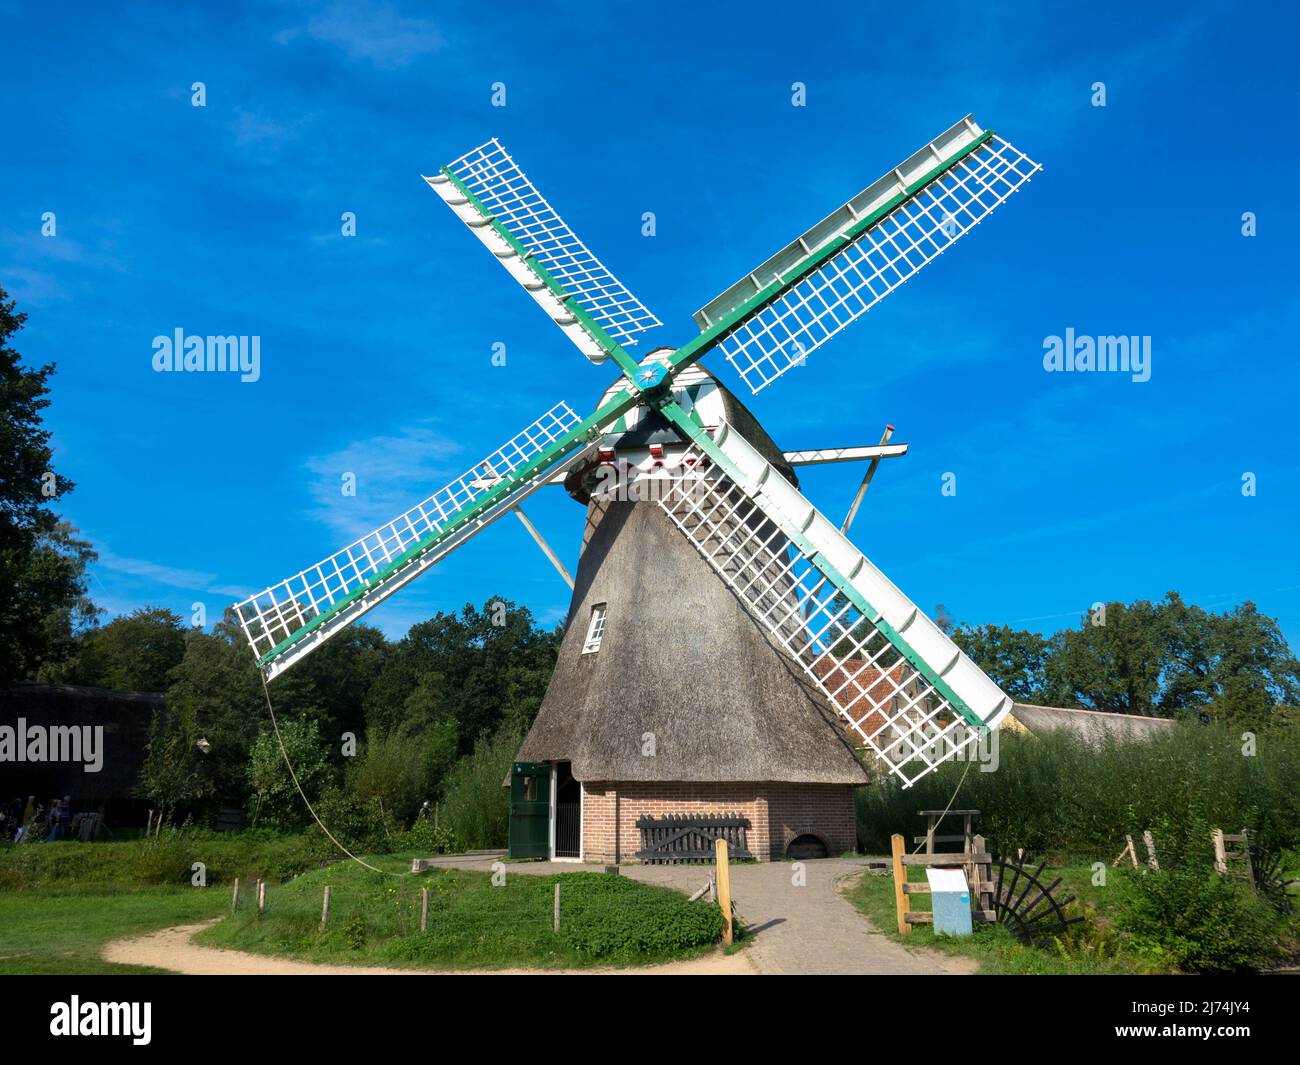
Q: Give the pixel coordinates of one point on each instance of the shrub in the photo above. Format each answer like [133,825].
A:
[611,918]
[164,860]
[1198,920]
[475,806]
[1058,794]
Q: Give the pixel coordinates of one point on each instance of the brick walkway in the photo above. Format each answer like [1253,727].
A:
[797,930]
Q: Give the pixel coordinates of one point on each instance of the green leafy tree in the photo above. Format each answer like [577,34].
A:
[169,777]
[43,595]
[274,797]
[477,668]
[1014,658]
[1171,658]
[136,652]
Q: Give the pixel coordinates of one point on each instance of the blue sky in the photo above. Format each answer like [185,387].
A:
[376,350]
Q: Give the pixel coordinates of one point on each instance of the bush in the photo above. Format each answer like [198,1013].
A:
[1198,920]
[599,923]
[475,806]
[1058,794]
[165,860]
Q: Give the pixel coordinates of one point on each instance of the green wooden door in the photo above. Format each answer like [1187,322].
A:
[530,810]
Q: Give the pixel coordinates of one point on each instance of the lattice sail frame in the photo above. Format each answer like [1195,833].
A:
[885,256]
[277,613]
[514,202]
[885,698]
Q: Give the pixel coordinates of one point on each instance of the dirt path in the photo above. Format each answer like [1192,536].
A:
[174,949]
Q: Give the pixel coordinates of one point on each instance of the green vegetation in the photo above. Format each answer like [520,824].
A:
[1168,658]
[63,931]
[1056,794]
[164,862]
[1137,921]
[375,920]
[61,902]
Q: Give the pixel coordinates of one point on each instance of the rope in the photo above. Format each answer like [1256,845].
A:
[970,762]
[275,725]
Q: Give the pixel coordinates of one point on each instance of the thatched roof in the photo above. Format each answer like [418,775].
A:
[1090,725]
[681,661]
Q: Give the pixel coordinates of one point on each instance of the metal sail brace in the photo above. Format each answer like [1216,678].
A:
[902,687]
[775,316]
[490,193]
[285,622]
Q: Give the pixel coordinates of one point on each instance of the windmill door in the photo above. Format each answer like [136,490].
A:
[530,810]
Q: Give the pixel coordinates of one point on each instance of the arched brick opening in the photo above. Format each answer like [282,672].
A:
[808,845]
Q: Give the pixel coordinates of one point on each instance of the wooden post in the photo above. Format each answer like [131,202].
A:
[325,908]
[900,878]
[557,906]
[724,889]
[234,897]
[424,909]
[1220,852]
[261,896]
[1150,841]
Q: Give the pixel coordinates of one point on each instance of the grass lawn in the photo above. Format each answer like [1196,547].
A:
[375,920]
[63,932]
[1089,948]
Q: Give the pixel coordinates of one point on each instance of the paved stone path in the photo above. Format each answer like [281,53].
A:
[797,930]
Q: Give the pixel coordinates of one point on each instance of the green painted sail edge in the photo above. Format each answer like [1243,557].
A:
[616,407]
[592,327]
[694,349]
[678,417]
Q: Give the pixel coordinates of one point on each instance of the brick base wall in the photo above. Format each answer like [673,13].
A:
[777,813]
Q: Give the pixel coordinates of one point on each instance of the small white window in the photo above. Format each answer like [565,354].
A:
[595,630]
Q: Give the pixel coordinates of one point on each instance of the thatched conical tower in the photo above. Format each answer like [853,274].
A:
[667,698]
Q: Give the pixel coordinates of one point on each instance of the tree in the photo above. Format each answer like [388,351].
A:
[168,777]
[1170,658]
[476,668]
[218,678]
[43,599]
[274,796]
[136,652]
[1014,658]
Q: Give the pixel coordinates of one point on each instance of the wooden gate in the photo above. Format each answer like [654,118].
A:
[690,838]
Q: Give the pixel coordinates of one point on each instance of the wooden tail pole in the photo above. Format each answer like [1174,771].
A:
[724,890]
[896,846]
[557,906]
[424,909]
[234,897]
[261,896]
[325,908]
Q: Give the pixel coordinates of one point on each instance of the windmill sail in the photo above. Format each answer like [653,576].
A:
[490,193]
[779,313]
[287,621]
[900,684]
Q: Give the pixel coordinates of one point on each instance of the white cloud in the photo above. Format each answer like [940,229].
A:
[376,33]
[393,473]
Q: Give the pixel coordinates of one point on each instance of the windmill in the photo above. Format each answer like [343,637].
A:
[670,461]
